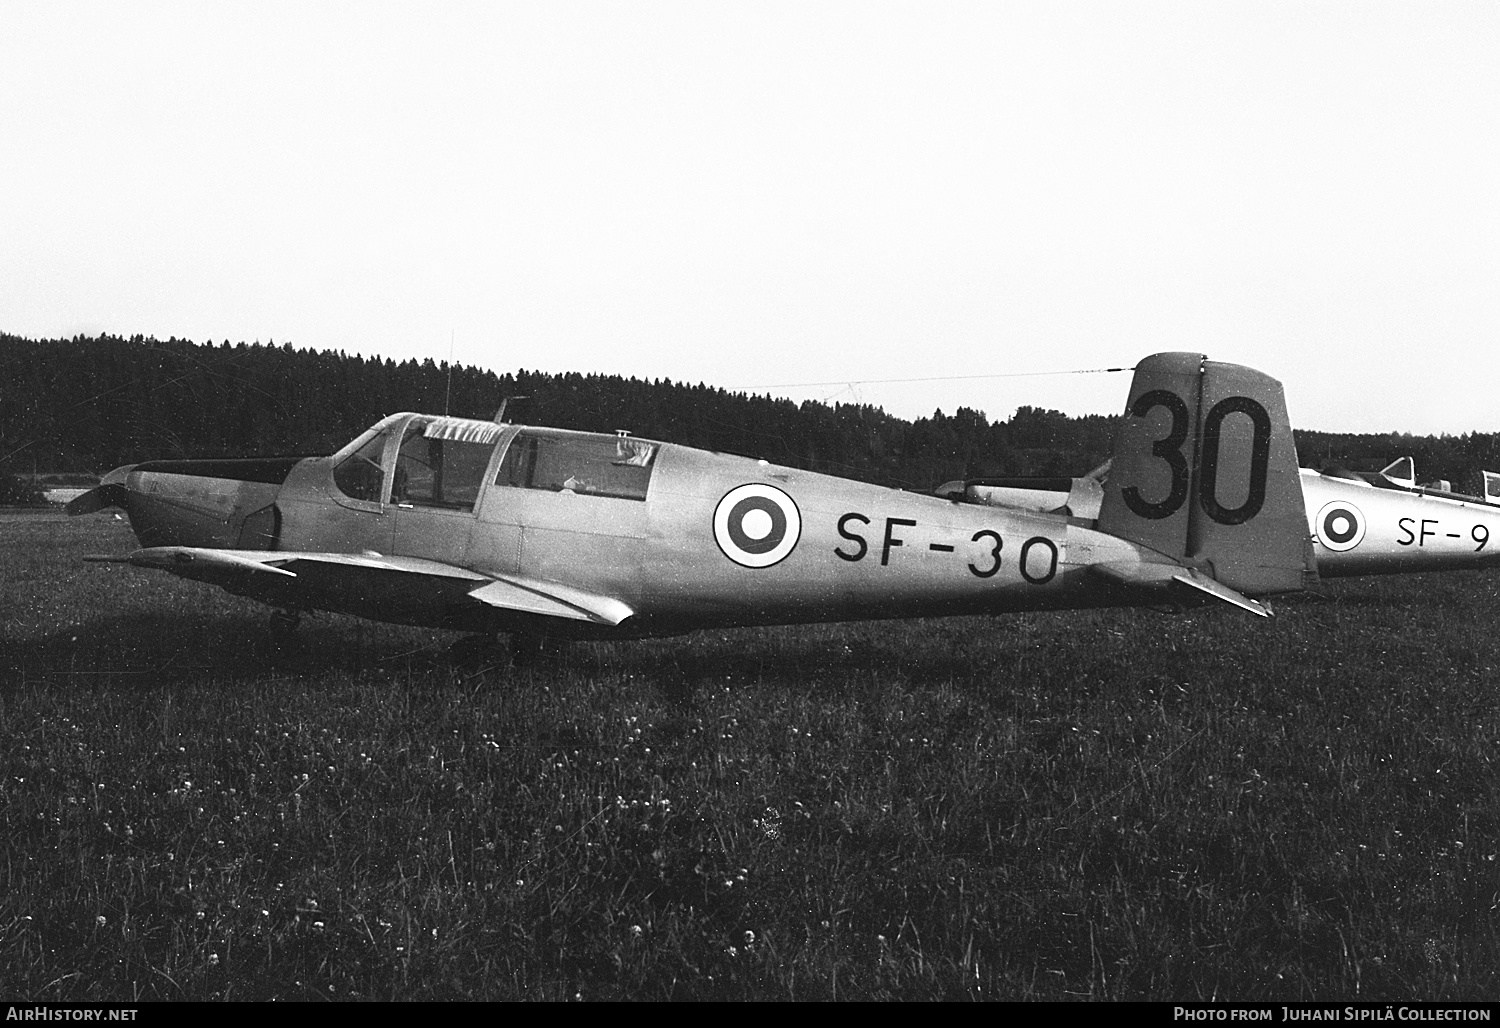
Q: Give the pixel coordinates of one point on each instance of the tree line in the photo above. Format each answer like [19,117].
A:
[92,403]
[88,404]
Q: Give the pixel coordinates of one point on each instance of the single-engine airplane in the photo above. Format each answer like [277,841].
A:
[491,527]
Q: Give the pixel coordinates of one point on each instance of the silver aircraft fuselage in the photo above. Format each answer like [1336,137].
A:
[851,550]
[1359,527]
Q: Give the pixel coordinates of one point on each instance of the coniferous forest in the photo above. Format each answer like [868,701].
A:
[89,404]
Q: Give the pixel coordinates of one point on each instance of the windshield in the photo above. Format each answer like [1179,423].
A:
[360,475]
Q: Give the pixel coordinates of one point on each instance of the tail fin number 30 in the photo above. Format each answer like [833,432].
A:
[1170,450]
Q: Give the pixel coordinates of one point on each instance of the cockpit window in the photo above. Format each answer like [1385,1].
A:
[589,465]
[359,476]
[442,462]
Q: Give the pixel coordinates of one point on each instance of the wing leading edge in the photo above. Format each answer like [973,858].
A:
[230,568]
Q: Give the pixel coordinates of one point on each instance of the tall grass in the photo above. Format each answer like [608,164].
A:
[1109,805]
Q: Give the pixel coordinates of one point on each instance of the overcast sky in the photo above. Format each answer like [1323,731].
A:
[762,194]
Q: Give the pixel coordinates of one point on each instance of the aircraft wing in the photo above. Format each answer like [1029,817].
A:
[507,592]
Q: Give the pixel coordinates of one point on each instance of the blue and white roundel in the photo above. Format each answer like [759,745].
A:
[757,525]
[1340,526]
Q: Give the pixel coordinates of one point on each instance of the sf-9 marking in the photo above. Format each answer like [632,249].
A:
[1418,536]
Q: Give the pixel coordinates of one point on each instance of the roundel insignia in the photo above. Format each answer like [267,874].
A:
[757,525]
[1340,526]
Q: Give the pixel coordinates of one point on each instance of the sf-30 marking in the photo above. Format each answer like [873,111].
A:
[1418,536]
[1038,570]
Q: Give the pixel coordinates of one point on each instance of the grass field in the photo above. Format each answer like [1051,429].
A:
[1107,805]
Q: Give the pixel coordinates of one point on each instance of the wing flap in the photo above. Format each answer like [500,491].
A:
[551,600]
[373,561]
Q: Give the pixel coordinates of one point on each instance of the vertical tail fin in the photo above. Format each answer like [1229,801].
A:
[1205,471]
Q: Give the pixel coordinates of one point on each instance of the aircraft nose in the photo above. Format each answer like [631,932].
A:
[228,504]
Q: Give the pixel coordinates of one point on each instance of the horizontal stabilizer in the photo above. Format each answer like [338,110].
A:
[1402,471]
[1167,577]
[1219,591]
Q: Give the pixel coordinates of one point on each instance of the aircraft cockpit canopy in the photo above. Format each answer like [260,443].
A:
[423,460]
[594,465]
[440,462]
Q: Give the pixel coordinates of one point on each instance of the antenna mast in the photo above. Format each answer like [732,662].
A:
[448,395]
